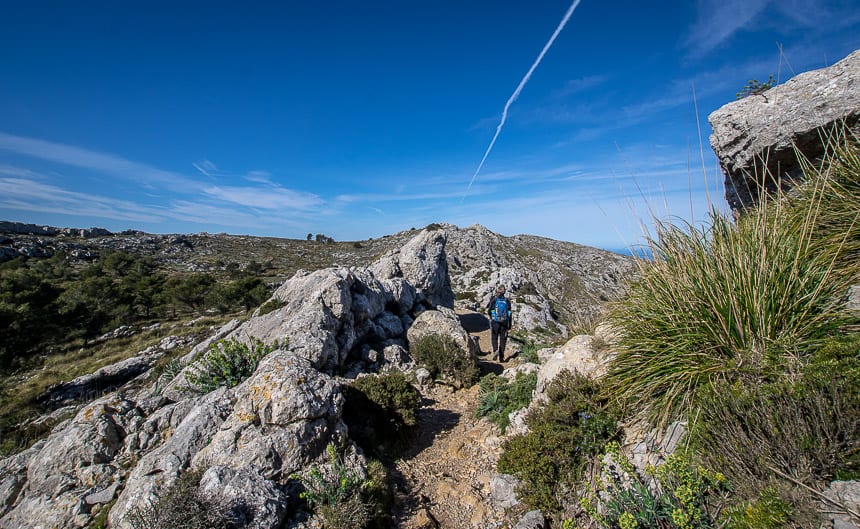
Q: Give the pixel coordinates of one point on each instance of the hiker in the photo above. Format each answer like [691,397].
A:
[499,309]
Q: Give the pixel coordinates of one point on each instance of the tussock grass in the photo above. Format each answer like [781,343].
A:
[741,300]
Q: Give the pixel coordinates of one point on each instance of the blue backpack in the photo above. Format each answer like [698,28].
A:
[502,309]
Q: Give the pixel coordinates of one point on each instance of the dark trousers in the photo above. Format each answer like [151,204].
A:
[499,337]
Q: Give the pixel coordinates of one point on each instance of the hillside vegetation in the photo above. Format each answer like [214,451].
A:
[739,330]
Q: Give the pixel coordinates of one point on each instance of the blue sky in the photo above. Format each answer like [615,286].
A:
[360,119]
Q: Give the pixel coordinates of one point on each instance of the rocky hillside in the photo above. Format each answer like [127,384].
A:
[554,284]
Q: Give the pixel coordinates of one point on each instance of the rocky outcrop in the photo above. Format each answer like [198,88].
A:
[756,138]
[552,284]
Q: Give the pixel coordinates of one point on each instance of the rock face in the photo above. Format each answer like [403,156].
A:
[757,135]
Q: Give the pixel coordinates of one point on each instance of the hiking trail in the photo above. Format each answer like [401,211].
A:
[443,477]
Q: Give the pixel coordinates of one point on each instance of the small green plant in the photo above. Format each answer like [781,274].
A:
[498,397]
[769,511]
[673,495]
[444,358]
[528,354]
[337,493]
[565,435]
[227,363]
[380,410]
[755,87]
[271,305]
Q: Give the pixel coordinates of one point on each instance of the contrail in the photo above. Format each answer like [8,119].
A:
[519,89]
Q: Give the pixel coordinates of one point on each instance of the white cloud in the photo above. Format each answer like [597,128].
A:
[102,162]
[719,20]
[28,195]
[264,197]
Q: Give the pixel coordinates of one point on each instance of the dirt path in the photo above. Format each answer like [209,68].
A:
[444,478]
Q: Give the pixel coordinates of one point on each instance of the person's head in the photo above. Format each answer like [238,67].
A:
[500,290]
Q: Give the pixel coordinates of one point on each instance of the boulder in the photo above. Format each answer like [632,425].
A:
[580,354]
[755,138]
[443,322]
[75,461]
[159,469]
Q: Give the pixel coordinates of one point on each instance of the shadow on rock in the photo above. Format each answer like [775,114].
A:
[474,322]
[488,367]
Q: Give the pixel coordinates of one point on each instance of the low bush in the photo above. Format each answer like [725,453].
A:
[227,363]
[768,511]
[497,397]
[443,357]
[564,437]
[807,427]
[380,410]
[671,496]
[344,498]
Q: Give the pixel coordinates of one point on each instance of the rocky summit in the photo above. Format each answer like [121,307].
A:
[119,454]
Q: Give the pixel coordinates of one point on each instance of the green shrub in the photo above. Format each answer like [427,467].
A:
[227,363]
[528,353]
[380,410]
[564,436]
[672,496]
[443,357]
[808,428]
[338,494]
[769,511]
[498,397]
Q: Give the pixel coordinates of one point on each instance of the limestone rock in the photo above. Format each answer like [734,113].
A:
[757,135]
[442,322]
[846,493]
[422,263]
[159,469]
[256,502]
[76,460]
[503,491]
[531,520]
[578,354]
[284,416]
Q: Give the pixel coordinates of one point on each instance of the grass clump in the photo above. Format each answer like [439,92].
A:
[380,410]
[738,301]
[445,359]
[498,397]
[565,435]
[227,363]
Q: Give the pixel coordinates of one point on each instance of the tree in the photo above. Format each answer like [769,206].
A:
[310,236]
